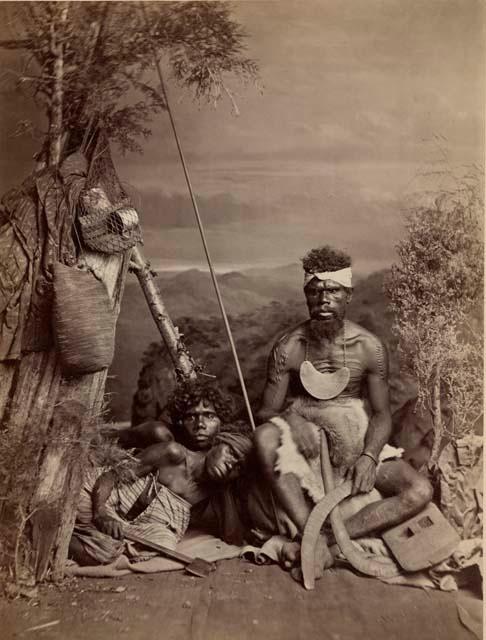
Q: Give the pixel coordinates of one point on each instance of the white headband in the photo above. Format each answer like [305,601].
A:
[342,277]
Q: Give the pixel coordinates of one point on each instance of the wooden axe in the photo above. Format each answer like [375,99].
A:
[194,566]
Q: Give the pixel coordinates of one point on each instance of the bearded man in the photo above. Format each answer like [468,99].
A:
[319,374]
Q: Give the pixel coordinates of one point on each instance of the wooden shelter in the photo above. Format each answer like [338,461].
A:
[48,413]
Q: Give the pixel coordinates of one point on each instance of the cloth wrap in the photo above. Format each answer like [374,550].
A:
[239,442]
[225,504]
[341,276]
[164,521]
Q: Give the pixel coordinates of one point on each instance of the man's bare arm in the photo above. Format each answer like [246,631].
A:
[275,393]
[276,384]
[148,460]
[380,426]
[363,473]
[101,492]
[145,434]
[158,455]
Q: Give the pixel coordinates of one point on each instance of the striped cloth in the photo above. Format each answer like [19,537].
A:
[163,522]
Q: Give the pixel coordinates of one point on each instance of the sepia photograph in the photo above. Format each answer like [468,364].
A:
[241,319]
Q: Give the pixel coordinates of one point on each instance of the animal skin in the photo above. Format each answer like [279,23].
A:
[345,422]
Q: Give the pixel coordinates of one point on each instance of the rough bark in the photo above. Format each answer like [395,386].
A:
[52,419]
[57,97]
[183,364]
[47,420]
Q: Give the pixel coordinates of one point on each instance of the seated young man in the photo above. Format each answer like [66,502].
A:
[156,503]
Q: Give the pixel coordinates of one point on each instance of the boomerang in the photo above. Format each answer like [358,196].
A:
[328,506]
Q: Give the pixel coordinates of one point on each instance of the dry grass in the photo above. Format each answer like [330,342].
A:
[20,456]
[104,451]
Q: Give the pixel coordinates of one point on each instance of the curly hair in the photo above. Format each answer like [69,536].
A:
[188,394]
[325,259]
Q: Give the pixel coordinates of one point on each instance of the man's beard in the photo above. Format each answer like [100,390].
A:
[328,329]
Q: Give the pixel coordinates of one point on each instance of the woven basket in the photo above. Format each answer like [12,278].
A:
[83,321]
[105,227]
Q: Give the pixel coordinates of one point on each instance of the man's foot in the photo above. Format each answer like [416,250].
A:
[289,555]
[323,560]
[323,557]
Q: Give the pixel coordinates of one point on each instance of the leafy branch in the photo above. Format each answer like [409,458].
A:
[435,291]
[93,61]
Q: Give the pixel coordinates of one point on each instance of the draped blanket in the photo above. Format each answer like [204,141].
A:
[163,522]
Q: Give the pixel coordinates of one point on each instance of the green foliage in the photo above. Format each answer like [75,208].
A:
[435,291]
[109,49]
[204,45]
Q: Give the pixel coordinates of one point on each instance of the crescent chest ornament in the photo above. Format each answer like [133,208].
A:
[324,386]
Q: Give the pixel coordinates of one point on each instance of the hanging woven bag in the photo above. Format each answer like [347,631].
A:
[83,321]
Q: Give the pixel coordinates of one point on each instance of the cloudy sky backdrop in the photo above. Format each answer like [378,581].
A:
[358,99]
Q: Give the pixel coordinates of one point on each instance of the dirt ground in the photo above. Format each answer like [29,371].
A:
[238,601]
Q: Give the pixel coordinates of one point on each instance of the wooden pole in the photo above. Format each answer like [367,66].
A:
[57,97]
[203,237]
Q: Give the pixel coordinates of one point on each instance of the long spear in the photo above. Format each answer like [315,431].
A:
[201,232]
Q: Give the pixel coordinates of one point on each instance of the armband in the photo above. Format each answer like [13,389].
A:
[370,455]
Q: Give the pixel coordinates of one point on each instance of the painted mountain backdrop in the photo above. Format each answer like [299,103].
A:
[261,305]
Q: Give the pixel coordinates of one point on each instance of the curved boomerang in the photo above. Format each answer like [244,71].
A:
[312,530]
[328,506]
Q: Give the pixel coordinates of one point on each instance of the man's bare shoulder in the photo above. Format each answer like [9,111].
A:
[290,344]
[373,347]
[293,338]
[285,351]
[163,452]
[355,331]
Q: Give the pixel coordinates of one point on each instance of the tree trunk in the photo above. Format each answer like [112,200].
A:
[48,419]
[52,420]
[437,419]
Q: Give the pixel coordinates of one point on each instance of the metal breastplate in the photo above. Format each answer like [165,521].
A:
[324,386]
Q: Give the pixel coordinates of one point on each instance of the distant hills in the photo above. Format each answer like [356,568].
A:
[188,294]
[261,303]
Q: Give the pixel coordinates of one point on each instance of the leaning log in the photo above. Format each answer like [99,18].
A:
[184,366]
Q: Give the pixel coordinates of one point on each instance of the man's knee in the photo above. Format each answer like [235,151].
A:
[144,434]
[160,432]
[267,439]
[418,494]
[78,553]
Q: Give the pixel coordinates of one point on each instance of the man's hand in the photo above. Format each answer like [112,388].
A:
[110,526]
[363,475]
[304,434]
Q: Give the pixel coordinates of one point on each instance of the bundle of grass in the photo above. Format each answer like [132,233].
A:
[105,452]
